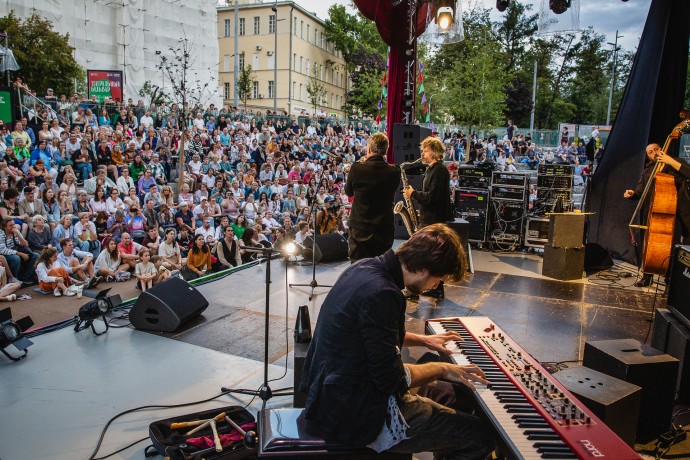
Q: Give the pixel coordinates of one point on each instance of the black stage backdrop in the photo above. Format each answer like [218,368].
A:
[652,101]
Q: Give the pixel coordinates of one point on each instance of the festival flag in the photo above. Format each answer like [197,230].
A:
[421,89]
[424,98]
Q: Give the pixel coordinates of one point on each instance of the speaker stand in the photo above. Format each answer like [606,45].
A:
[264,392]
[313,284]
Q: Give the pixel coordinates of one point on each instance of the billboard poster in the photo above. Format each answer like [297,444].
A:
[6,105]
[105,83]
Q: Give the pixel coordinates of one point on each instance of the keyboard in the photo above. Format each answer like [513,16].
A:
[535,416]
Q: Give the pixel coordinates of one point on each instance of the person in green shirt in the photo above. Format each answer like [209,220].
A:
[137,168]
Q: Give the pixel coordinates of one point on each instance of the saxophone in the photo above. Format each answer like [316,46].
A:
[406,209]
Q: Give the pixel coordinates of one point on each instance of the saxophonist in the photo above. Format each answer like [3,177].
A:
[372,183]
[434,198]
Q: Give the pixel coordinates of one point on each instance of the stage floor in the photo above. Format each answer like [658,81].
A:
[55,402]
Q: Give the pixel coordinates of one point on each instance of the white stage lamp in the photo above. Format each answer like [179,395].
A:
[443,23]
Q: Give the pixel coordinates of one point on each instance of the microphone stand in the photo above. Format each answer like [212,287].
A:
[264,392]
[313,284]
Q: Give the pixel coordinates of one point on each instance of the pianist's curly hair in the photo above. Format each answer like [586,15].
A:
[436,248]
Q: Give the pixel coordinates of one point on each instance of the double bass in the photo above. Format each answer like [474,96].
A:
[661,218]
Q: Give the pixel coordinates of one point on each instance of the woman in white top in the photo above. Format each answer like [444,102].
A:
[109,261]
[113,203]
[125,182]
[185,194]
[69,184]
[98,202]
[86,235]
[169,252]
[51,275]
[250,209]
[132,199]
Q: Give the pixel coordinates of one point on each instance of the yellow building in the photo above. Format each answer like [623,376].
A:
[301,46]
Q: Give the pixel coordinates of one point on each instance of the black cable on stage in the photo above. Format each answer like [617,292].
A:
[120,450]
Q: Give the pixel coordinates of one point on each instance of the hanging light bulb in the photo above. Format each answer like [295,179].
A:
[443,23]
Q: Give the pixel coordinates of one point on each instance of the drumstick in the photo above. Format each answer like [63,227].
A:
[216,439]
[235,426]
[175,426]
[206,423]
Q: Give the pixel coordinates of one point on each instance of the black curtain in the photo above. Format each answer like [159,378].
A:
[652,101]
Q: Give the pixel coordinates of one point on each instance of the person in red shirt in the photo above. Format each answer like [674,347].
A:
[129,251]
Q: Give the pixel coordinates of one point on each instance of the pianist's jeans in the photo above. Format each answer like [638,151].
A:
[440,429]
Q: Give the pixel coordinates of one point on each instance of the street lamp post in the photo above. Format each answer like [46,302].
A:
[613,77]
[237,55]
[275,57]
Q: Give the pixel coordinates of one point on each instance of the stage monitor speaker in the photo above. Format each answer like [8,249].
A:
[679,285]
[563,263]
[566,230]
[462,228]
[406,140]
[614,401]
[299,398]
[329,247]
[646,367]
[167,306]
[671,336]
[597,258]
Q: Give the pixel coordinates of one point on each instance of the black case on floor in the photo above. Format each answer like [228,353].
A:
[167,442]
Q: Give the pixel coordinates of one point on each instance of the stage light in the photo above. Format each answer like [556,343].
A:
[559,6]
[12,333]
[93,310]
[502,5]
[443,23]
[290,249]
[444,17]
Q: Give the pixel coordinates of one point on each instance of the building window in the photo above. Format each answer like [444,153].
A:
[301,98]
[307,69]
[301,29]
[294,28]
[272,24]
[255,90]
[270,89]
[294,89]
[242,61]
[227,27]
[315,36]
[307,32]
[226,91]
[301,63]
[332,77]
[320,72]
[321,39]
[294,60]
[257,25]
[226,63]
[241,26]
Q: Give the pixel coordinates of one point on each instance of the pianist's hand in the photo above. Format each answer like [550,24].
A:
[436,342]
[465,375]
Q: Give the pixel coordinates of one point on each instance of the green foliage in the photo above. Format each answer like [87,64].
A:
[153,93]
[348,32]
[315,89]
[365,97]
[589,87]
[44,56]
[466,80]
[515,33]
[245,85]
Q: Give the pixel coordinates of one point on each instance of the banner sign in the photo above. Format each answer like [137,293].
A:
[6,96]
[105,83]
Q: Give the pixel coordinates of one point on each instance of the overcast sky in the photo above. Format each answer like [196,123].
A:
[606,16]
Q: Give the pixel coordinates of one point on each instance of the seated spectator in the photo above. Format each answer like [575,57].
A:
[116,225]
[184,240]
[90,185]
[8,284]
[206,230]
[52,276]
[198,258]
[40,236]
[153,195]
[99,202]
[109,262]
[146,181]
[101,224]
[16,250]
[125,183]
[129,251]
[239,226]
[166,218]
[9,209]
[169,252]
[79,264]
[152,241]
[132,199]
[147,273]
[82,204]
[185,218]
[86,237]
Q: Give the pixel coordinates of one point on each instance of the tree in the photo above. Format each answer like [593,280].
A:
[365,94]
[515,33]
[154,93]
[588,89]
[518,101]
[315,89]
[245,85]
[348,32]
[186,91]
[44,56]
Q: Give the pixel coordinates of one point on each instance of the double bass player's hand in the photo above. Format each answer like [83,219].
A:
[662,157]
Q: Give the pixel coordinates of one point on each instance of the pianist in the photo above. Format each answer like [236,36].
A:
[357,385]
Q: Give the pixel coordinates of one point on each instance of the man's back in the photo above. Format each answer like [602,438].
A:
[373,185]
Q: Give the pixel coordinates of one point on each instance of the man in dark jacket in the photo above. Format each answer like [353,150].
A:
[434,198]
[680,170]
[355,380]
[372,184]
